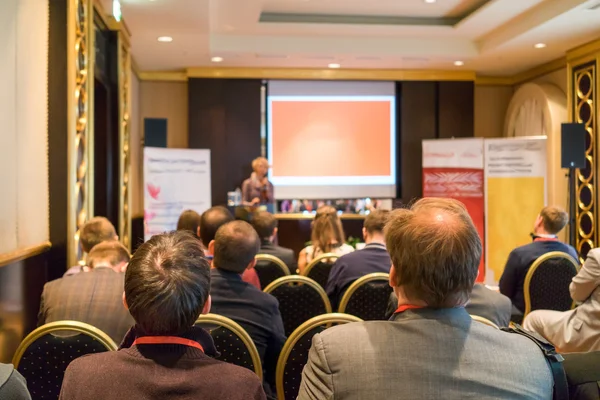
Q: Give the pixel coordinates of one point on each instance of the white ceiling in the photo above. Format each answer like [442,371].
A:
[497,38]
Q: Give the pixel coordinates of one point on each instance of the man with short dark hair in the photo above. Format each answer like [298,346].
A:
[93,297]
[93,232]
[189,220]
[265,224]
[234,248]
[210,222]
[431,348]
[164,356]
[372,258]
[548,224]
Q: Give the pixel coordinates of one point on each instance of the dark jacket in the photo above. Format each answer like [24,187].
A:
[159,372]
[257,312]
[284,254]
[348,268]
[12,384]
[483,302]
[517,266]
[94,297]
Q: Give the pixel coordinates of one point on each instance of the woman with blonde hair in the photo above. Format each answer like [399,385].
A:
[327,237]
[257,190]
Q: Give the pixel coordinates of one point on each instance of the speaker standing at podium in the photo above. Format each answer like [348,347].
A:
[257,190]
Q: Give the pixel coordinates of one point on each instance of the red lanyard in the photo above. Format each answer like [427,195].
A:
[545,239]
[167,340]
[405,307]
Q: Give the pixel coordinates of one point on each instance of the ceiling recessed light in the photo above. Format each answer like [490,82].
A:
[459,63]
[216,59]
[539,45]
[165,39]
[430,1]
[334,65]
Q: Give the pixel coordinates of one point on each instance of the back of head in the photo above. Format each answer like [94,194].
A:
[435,250]
[376,220]
[167,283]
[211,220]
[108,254]
[189,220]
[327,228]
[264,224]
[236,245]
[554,219]
[94,231]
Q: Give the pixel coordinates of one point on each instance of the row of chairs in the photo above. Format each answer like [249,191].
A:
[270,268]
[44,355]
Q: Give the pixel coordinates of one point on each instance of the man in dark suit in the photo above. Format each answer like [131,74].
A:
[547,225]
[373,258]
[234,248]
[94,297]
[483,302]
[265,224]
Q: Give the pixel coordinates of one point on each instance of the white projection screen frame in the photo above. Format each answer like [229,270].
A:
[358,185]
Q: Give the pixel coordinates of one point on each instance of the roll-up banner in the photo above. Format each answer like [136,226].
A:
[453,168]
[175,180]
[515,192]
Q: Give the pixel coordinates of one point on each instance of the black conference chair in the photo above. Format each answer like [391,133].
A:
[294,354]
[320,268]
[547,282]
[44,355]
[232,342]
[269,268]
[300,299]
[367,297]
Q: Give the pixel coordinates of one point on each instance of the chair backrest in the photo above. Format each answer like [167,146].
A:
[300,299]
[367,297]
[44,355]
[547,282]
[484,321]
[319,268]
[294,354]
[269,268]
[232,342]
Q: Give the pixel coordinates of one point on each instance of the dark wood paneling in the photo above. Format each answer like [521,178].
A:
[456,109]
[417,122]
[224,116]
[57,137]
[21,285]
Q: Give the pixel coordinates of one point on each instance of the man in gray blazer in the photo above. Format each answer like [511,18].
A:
[94,297]
[265,225]
[576,330]
[432,348]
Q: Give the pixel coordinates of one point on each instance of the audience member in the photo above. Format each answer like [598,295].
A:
[210,221]
[431,348]
[547,225]
[189,220]
[373,258]
[576,330]
[234,248]
[12,384]
[483,302]
[164,356]
[327,236]
[265,224]
[93,232]
[94,297]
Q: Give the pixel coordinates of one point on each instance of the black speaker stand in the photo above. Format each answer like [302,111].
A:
[572,204]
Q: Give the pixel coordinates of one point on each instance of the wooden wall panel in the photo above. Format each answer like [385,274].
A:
[455,109]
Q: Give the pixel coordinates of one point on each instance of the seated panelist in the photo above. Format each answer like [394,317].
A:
[257,190]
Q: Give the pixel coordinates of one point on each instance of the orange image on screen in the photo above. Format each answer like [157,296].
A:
[331,138]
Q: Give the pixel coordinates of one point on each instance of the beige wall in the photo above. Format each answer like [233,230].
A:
[557,78]
[137,200]
[491,103]
[167,100]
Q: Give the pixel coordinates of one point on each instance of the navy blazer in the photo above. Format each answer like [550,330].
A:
[257,312]
[348,268]
[517,266]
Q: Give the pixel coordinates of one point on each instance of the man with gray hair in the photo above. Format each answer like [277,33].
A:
[431,348]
